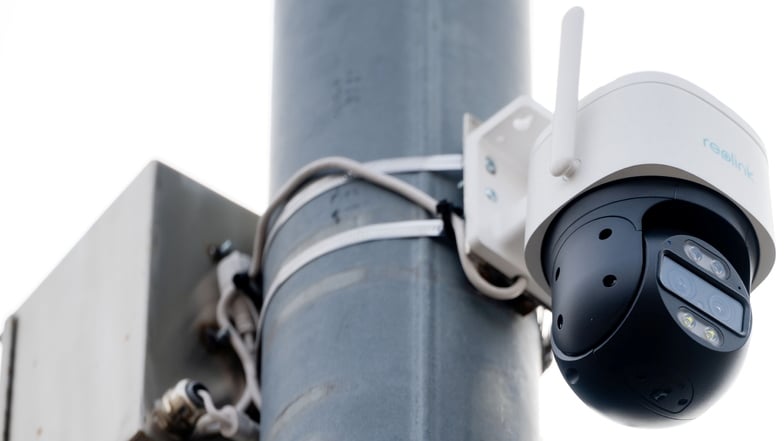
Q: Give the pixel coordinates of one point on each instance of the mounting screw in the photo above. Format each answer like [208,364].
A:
[489,165]
[490,193]
[218,252]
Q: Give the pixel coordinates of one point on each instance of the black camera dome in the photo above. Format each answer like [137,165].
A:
[650,280]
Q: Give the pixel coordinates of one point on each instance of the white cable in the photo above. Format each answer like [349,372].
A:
[472,273]
[404,189]
[244,317]
[331,165]
[232,423]
[353,169]
[395,185]
[238,317]
[248,303]
[206,426]
[251,392]
[209,405]
[222,417]
[250,341]
[390,166]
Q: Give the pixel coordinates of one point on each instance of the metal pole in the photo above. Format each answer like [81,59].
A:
[386,340]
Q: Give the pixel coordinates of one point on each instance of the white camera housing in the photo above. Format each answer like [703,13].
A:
[643,124]
[654,124]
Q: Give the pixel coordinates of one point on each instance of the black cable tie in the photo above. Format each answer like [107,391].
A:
[446,209]
[248,286]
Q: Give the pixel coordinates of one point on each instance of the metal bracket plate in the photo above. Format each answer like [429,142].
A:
[496,156]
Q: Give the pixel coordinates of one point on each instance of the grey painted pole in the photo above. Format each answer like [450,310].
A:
[386,340]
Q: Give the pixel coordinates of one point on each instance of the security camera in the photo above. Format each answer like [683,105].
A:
[641,215]
[650,278]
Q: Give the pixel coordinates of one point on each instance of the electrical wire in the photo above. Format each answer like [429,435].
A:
[233,310]
[358,170]
[354,169]
[230,422]
[331,165]
[209,406]
[472,272]
[246,355]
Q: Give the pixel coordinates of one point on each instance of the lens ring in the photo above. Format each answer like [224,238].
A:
[719,308]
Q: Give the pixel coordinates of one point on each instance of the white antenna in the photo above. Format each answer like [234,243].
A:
[564,161]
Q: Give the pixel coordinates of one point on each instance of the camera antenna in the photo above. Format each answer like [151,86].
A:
[564,161]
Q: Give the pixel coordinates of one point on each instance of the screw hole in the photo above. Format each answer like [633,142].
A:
[560,321]
[609,280]
[604,234]
[557,273]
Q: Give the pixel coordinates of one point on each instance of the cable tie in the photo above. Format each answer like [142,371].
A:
[445,209]
[248,286]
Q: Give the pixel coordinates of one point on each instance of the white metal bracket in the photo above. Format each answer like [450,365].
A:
[496,155]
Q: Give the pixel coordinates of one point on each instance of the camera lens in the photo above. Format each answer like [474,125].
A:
[680,282]
[719,308]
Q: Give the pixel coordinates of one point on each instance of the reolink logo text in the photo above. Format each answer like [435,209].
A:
[729,157]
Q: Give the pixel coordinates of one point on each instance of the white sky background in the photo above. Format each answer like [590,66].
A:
[92,90]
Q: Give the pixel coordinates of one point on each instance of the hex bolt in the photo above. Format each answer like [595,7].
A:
[490,165]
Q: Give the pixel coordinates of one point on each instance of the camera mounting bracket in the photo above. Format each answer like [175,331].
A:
[496,157]
[495,174]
